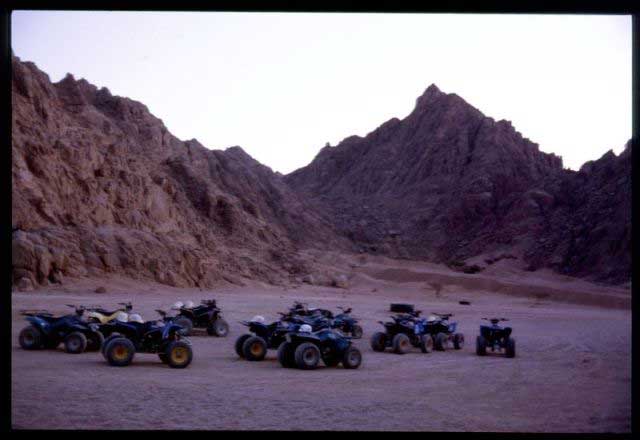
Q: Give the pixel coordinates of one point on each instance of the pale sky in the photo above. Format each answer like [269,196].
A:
[282,85]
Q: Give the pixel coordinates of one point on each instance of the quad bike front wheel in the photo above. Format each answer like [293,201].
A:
[286,355]
[95,341]
[219,328]
[356,332]
[440,342]
[120,351]
[378,341]
[185,323]
[481,346]
[510,348]
[307,356]
[352,358]
[426,343]
[179,354]
[458,341]
[401,343]
[240,343]
[254,348]
[75,343]
[30,338]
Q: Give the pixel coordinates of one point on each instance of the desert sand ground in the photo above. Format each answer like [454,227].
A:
[572,372]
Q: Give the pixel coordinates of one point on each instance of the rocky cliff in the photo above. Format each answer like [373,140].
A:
[100,186]
[448,183]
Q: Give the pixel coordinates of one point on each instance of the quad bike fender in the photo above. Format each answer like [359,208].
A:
[452,327]
[299,338]
[39,323]
[169,330]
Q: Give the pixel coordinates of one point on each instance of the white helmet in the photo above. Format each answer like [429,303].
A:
[121,316]
[188,304]
[305,328]
[432,318]
[135,318]
[258,318]
[177,305]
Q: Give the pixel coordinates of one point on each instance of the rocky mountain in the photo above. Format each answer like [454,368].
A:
[448,183]
[100,186]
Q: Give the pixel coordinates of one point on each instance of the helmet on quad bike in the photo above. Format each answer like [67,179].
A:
[258,318]
[432,318]
[305,328]
[121,316]
[177,305]
[135,318]
[188,304]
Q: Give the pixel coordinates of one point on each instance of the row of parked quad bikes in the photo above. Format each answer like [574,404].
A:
[302,336]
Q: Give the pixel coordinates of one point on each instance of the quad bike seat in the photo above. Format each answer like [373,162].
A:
[107,312]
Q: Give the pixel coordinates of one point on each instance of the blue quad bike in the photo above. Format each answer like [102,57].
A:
[495,337]
[206,315]
[253,346]
[127,338]
[48,331]
[347,324]
[443,332]
[305,349]
[404,331]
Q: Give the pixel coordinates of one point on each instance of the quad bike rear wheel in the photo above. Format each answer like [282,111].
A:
[307,356]
[352,358]
[110,338]
[219,328]
[401,343]
[458,341]
[120,351]
[440,342]
[95,341]
[254,348]
[179,354]
[426,343]
[30,338]
[356,333]
[378,341]
[481,346]
[240,343]
[286,355]
[510,348]
[185,323]
[75,343]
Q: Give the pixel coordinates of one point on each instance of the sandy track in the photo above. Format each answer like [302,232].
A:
[572,372]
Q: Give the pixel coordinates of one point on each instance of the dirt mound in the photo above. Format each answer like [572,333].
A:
[100,186]
[448,183]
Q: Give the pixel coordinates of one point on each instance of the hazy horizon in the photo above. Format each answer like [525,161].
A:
[282,99]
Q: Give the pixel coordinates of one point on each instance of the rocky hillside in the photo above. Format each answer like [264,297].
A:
[100,186]
[448,183]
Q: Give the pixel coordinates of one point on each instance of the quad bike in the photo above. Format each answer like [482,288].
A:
[443,332]
[127,338]
[301,309]
[496,337]
[347,324]
[253,346]
[102,316]
[206,315]
[405,331]
[48,331]
[304,349]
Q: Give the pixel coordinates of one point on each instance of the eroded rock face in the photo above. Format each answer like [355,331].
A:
[448,183]
[100,186]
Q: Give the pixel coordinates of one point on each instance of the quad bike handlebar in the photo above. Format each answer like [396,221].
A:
[161,312]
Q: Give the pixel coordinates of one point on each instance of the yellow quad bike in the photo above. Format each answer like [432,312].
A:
[102,316]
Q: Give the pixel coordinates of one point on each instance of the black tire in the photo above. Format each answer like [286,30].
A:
[179,354]
[185,323]
[286,355]
[356,333]
[95,341]
[219,328]
[510,348]
[163,358]
[440,342]
[458,341]
[75,343]
[352,358]
[30,338]
[481,346]
[378,341]
[240,343]
[402,308]
[307,356]
[119,352]
[254,348]
[401,343]
[426,343]
[106,342]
